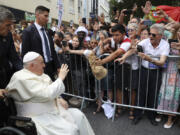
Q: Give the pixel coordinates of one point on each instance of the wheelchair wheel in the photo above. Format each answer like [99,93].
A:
[10,131]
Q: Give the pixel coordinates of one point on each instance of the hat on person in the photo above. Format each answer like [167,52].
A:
[99,72]
[82,29]
[30,56]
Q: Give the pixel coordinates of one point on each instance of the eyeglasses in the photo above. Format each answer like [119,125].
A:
[153,35]
[130,30]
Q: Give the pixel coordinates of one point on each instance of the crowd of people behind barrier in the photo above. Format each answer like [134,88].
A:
[129,52]
[153,81]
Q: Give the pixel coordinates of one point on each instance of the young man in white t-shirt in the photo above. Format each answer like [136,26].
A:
[118,40]
[121,44]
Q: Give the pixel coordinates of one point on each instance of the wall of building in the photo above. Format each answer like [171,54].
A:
[70,11]
[73,9]
[70,7]
[85,8]
[103,7]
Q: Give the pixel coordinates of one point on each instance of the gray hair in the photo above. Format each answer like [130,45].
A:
[27,64]
[159,27]
[5,14]
[134,25]
[104,33]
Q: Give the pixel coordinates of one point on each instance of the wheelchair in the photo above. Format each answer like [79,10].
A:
[10,131]
[10,123]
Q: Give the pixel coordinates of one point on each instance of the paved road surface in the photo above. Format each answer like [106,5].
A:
[122,125]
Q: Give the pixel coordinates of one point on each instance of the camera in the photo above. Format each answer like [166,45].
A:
[139,48]
[64,43]
[84,20]
[172,40]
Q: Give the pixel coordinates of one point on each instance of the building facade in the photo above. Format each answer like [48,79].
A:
[73,10]
[70,8]
[93,7]
[103,7]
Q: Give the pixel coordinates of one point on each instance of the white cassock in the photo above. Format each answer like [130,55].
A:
[35,96]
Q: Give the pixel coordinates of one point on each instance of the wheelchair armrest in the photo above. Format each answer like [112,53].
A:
[20,118]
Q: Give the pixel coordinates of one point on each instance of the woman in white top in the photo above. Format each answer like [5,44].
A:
[131,58]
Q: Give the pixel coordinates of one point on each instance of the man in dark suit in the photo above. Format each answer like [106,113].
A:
[35,38]
[9,59]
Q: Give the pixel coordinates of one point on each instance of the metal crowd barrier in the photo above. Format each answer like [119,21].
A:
[80,74]
[127,91]
[80,83]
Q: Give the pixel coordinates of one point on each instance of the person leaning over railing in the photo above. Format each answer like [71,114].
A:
[169,95]
[106,85]
[77,66]
[96,51]
[121,45]
[133,61]
[150,71]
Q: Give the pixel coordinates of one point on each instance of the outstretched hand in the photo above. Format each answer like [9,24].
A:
[147,7]
[120,60]
[63,72]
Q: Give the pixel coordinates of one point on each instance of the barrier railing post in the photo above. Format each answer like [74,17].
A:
[82,103]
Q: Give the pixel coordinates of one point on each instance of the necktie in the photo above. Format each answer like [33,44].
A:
[46,45]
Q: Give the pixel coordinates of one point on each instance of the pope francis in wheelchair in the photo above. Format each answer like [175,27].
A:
[36,96]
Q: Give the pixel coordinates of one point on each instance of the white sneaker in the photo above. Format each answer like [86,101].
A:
[166,125]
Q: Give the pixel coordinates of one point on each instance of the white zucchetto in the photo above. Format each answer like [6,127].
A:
[30,56]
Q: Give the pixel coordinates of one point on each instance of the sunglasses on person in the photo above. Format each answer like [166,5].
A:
[130,30]
[153,35]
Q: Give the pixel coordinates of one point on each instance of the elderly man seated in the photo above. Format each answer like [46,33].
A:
[36,96]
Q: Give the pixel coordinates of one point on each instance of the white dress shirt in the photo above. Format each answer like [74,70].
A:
[42,39]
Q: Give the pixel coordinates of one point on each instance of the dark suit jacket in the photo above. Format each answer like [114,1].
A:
[31,41]
[10,62]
